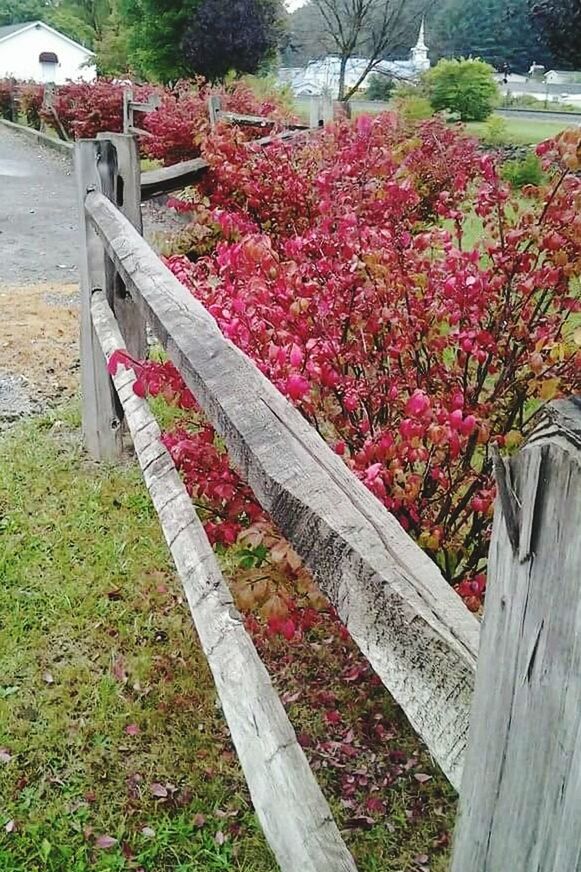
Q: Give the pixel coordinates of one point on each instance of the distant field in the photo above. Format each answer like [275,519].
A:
[524,131]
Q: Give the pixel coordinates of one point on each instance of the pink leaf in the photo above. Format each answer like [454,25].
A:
[158,790]
[118,670]
[132,730]
[105,842]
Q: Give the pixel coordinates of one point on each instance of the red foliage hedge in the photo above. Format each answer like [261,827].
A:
[344,268]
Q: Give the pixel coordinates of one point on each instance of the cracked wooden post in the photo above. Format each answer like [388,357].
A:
[214,108]
[126,195]
[520,802]
[101,412]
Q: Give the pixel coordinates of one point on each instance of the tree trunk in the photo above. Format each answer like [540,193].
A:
[342,68]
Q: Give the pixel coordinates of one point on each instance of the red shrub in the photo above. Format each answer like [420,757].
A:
[6,90]
[411,349]
[181,124]
[31,97]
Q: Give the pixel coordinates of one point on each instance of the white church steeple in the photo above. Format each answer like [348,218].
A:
[419,53]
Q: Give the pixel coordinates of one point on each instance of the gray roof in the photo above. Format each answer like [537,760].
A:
[7,29]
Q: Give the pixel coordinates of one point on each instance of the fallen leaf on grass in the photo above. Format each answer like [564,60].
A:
[47,678]
[5,755]
[118,670]
[10,826]
[220,838]
[132,730]
[198,821]
[422,777]
[158,790]
[149,832]
[105,842]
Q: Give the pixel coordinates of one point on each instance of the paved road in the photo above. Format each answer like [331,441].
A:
[38,214]
[572,118]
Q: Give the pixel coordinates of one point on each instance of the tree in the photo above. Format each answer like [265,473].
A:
[155,32]
[239,35]
[371,28]
[558,23]
[498,31]
[17,11]
[463,86]
[380,87]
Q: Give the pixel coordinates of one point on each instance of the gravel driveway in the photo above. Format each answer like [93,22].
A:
[39,248]
[38,220]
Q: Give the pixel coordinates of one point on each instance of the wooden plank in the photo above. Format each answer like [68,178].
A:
[520,804]
[167,179]
[127,196]
[410,624]
[294,814]
[100,412]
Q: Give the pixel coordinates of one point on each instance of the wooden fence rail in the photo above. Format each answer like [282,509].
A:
[294,815]
[411,626]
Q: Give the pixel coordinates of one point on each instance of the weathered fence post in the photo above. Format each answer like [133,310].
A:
[520,803]
[95,171]
[214,107]
[126,194]
[315,113]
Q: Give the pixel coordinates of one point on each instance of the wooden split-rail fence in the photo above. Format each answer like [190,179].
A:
[503,723]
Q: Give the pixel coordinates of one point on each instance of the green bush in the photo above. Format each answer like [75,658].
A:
[527,171]
[496,131]
[380,87]
[414,108]
[463,86]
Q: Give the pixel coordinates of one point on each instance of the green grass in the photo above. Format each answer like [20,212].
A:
[522,131]
[94,637]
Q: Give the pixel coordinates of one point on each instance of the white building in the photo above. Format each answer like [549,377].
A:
[33,51]
[322,76]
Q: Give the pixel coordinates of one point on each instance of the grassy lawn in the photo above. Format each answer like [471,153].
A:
[109,725]
[522,131]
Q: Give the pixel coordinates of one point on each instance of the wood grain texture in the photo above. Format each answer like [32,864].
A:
[412,627]
[520,806]
[101,414]
[294,815]
[126,194]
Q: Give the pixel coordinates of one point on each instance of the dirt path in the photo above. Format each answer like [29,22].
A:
[39,309]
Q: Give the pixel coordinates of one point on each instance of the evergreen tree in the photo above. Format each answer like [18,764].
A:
[498,31]
[155,32]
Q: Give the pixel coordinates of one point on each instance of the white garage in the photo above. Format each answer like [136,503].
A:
[36,52]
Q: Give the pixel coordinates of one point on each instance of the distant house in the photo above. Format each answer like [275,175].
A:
[563,77]
[322,75]
[36,52]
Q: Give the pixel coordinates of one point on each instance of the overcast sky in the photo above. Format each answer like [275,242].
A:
[294,4]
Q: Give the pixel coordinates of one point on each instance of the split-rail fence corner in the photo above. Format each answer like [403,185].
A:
[502,724]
